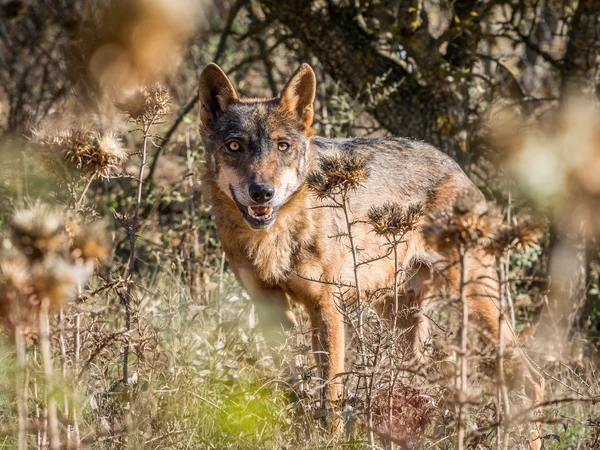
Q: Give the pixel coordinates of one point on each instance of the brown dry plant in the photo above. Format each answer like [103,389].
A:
[96,155]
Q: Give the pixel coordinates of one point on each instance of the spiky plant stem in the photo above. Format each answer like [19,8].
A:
[359,300]
[509,300]
[195,280]
[48,382]
[63,363]
[77,351]
[21,384]
[463,361]
[502,396]
[82,196]
[37,407]
[393,374]
[132,241]
[360,329]
[221,274]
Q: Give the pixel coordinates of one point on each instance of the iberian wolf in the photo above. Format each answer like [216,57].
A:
[259,153]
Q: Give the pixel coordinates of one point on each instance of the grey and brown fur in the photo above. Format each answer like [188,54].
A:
[276,261]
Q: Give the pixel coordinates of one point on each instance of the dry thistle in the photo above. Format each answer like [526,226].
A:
[15,292]
[338,174]
[97,155]
[56,279]
[470,223]
[392,219]
[88,243]
[411,411]
[43,262]
[146,104]
[521,235]
[37,231]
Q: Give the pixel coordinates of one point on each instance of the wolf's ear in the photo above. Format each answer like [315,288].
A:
[216,93]
[299,94]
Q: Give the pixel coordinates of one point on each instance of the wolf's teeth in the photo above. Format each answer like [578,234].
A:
[269,211]
[250,211]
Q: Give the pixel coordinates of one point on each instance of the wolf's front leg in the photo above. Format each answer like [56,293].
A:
[274,313]
[329,346]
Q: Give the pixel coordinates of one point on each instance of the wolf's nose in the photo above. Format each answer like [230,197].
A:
[261,193]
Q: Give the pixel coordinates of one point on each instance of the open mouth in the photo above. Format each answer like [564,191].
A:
[257,216]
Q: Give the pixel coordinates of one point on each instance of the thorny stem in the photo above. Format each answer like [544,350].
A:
[37,407]
[63,364]
[345,208]
[462,372]
[396,296]
[359,299]
[21,384]
[77,339]
[508,298]
[195,280]
[82,196]
[502,398]
[47,365]
[394,318]
[132,239]
[221,274]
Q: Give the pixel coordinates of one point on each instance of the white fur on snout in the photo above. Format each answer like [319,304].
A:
[227,177]
[288,184]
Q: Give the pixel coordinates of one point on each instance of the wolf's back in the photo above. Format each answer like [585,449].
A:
[402,170]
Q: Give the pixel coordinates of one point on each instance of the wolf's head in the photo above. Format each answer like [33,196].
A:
[257,151]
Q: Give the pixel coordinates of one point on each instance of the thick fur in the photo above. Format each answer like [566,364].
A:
[294,259]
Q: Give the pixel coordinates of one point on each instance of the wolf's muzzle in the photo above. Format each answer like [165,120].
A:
[259,217]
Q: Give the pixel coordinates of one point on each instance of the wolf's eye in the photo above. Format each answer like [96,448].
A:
[283,146]
[233,146]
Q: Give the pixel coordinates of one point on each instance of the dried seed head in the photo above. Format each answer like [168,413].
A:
[146,104]
[14,269]
[319,185]
[521,235]
[37,231]
[412,411]
[88,242]
[97,155]
[470,223]
[57,279]
[15,290]
[391,219]
[44,260]
[337,174]
[526,234]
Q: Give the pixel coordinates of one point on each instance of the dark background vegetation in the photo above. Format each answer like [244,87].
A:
[508,88]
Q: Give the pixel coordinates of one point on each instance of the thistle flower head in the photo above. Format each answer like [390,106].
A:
[56,279]
[37,231]
[337,174]
[14,268]
[88,242]
[412,411]
[391,219]
[145,104]
[520,235]
[469,223]
[15,290]
[97,155]
[44,259]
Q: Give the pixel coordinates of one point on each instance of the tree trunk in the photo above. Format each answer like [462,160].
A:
[581,70]
[348,54]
